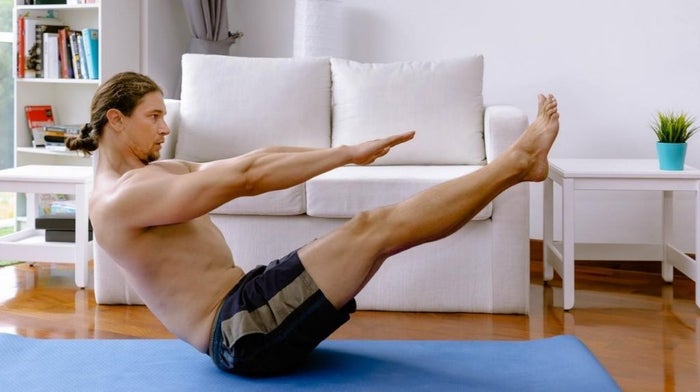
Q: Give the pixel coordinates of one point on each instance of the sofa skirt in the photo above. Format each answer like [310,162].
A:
[455,274]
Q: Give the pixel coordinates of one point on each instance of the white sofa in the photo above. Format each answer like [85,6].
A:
[231,105]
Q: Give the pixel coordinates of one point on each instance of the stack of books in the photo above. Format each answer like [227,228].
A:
[55,136]
[45,132]
[48,48]
[59,227]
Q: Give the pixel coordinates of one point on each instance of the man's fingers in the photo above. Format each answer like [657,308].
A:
[400,138]
[404,137]
[377,148]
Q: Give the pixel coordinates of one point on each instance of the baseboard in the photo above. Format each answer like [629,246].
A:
[627,265]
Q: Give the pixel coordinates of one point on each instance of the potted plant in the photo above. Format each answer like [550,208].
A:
[673,131]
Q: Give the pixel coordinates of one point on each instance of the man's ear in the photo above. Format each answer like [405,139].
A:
[115,118]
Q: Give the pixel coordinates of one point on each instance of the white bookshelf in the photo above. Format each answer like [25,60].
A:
[118,22]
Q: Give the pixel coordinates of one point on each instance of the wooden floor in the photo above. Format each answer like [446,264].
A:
[643,331]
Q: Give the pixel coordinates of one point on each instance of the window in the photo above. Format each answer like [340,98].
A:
[6,86]
[7,200]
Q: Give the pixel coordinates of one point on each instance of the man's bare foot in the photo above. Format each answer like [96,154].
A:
[532,147]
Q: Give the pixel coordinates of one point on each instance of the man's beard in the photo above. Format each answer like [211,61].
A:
[151,157]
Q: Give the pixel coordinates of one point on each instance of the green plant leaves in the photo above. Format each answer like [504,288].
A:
[673,128]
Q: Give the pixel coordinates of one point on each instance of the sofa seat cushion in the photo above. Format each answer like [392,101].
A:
[290,201]
[441,100]
[233,105]
[346,191]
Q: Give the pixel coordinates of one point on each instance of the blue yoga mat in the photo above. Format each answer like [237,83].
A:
[560,363]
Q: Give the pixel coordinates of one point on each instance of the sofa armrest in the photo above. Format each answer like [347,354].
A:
[502,126]
[510,249]
[172,118]
[110,285]
[511,216]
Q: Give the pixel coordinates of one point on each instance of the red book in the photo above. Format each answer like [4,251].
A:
[64,60]
[38,116]
[21,61]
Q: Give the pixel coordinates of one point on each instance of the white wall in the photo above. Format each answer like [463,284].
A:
[611,63]
[267,27]
[165,35]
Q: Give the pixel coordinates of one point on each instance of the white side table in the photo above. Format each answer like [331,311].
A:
[616,174]
[29,244]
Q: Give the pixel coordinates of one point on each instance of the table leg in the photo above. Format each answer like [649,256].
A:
[81,236]
[568,242]
[697,244]
[666,231]
[547,229]
[31,213]
[31,206]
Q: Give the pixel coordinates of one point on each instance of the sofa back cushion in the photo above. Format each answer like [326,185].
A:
[232,105]
[441,100]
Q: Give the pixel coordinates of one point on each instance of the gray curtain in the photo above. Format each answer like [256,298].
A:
[209,27]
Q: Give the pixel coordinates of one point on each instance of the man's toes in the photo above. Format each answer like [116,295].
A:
[541,102]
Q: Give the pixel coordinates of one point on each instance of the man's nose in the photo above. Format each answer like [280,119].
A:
[164,129]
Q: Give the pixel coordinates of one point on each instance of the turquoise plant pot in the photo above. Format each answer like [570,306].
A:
[671,155]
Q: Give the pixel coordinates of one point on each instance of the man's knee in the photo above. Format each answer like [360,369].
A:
[373,225]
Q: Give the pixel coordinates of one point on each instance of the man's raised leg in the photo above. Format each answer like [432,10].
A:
[342,262]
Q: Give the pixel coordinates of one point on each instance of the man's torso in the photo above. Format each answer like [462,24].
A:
[181,271]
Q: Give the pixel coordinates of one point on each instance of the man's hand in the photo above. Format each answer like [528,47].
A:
[367,152]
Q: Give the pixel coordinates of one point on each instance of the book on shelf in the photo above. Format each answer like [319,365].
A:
[83,58]
[91,44]
[74,46]
[21,50]
[65,63]
[65,130]
[38,116]
[50,68]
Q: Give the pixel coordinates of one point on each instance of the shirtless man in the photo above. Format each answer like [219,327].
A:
[152,217]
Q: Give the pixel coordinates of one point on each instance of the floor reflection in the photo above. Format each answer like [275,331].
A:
[648,334]
[8,284]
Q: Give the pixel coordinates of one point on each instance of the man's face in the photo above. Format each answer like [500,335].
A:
[146,128]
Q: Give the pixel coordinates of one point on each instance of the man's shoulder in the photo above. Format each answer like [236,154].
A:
[173,166]
[152,170]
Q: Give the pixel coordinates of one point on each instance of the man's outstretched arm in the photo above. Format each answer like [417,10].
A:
[185,196]
[282,167]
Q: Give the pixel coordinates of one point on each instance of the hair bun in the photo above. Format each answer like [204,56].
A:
[85,130]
